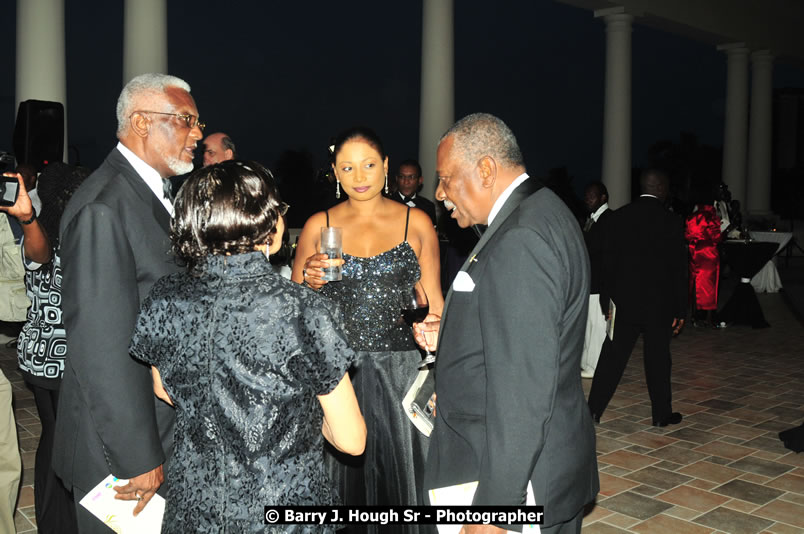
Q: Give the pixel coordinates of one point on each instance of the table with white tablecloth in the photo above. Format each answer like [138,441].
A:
[767,279]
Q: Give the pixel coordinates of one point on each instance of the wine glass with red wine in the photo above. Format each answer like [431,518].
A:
[415,308]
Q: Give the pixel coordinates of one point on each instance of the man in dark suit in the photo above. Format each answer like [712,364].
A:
[114,246]
[596,199]
[511,408]
[408,183]
[646,277]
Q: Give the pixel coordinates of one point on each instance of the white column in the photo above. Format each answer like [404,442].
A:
[735,134]
[437,106]
[616,172]
[144,38]
[40,54]
[759,134]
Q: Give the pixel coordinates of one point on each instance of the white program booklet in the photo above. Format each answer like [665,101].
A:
[463,495]
[119,515]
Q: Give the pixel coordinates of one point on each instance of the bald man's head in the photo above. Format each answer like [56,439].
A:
[218,147]
[655,182]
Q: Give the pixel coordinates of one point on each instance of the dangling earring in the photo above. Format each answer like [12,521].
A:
[337,189]
[386,183]
[267,254]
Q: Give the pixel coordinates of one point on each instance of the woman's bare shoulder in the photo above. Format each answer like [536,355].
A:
[316,219]
[421,222]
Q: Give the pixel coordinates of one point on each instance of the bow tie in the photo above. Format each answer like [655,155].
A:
[167,189]
[406,198]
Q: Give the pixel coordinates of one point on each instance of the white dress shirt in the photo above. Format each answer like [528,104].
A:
[596,215]
[498,204]
[149,175]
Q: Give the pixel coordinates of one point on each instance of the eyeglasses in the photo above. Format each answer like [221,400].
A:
[190,120]
[283,208]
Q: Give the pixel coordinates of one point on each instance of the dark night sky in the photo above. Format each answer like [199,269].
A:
[289,75]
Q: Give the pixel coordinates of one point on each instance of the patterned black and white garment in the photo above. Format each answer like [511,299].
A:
[42,344]
[243,353]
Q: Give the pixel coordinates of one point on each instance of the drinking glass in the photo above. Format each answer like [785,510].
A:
[415,308]
[332,246]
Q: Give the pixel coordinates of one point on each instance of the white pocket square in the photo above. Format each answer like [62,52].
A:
[463,282]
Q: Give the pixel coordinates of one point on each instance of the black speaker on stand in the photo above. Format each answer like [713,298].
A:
[39,133]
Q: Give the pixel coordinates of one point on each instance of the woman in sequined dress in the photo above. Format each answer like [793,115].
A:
[255,365]
[387,247]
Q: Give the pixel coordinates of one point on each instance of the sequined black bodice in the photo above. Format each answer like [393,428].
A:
[370,295]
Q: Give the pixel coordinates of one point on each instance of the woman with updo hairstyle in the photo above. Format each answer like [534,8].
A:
[255,365]
[387,248]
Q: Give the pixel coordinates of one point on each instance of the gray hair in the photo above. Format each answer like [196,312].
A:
[144,83]
[482,134]
[228,144]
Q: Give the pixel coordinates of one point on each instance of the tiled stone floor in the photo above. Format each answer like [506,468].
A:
[722,469]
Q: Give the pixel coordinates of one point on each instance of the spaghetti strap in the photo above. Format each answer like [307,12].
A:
[407,220]
[326,212]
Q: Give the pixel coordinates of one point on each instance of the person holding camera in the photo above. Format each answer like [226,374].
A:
[42,344]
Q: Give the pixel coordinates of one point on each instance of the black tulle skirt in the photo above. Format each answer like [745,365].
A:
[391,470]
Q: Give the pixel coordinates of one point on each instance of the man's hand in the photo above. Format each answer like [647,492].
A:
[426,332]
[678,324]
[141,488]
[481,529]
[22,208]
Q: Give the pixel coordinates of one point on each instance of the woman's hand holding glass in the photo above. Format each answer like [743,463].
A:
[314,266]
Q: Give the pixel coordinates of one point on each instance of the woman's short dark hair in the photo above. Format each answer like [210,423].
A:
[226,208]
[358,133]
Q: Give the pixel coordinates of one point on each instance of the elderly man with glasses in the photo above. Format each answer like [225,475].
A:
[114,246]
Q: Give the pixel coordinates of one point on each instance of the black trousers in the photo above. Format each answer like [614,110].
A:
[614,357]
[55,511]
[573,526]
[89,523]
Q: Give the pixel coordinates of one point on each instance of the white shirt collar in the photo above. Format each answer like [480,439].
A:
[148,174]
[647,195]
[596,215]
[498,204]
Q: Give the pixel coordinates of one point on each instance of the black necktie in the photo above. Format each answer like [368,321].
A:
[167,189]
[479,229]
[589,223]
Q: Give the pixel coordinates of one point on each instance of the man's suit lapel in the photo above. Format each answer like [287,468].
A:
[141,188]
[525,189]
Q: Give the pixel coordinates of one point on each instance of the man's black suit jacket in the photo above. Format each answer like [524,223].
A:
[510,404]
[646,263]
[595,239]
[114,246]
[422,203]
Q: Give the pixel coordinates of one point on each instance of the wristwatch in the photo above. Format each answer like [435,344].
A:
[32,219]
